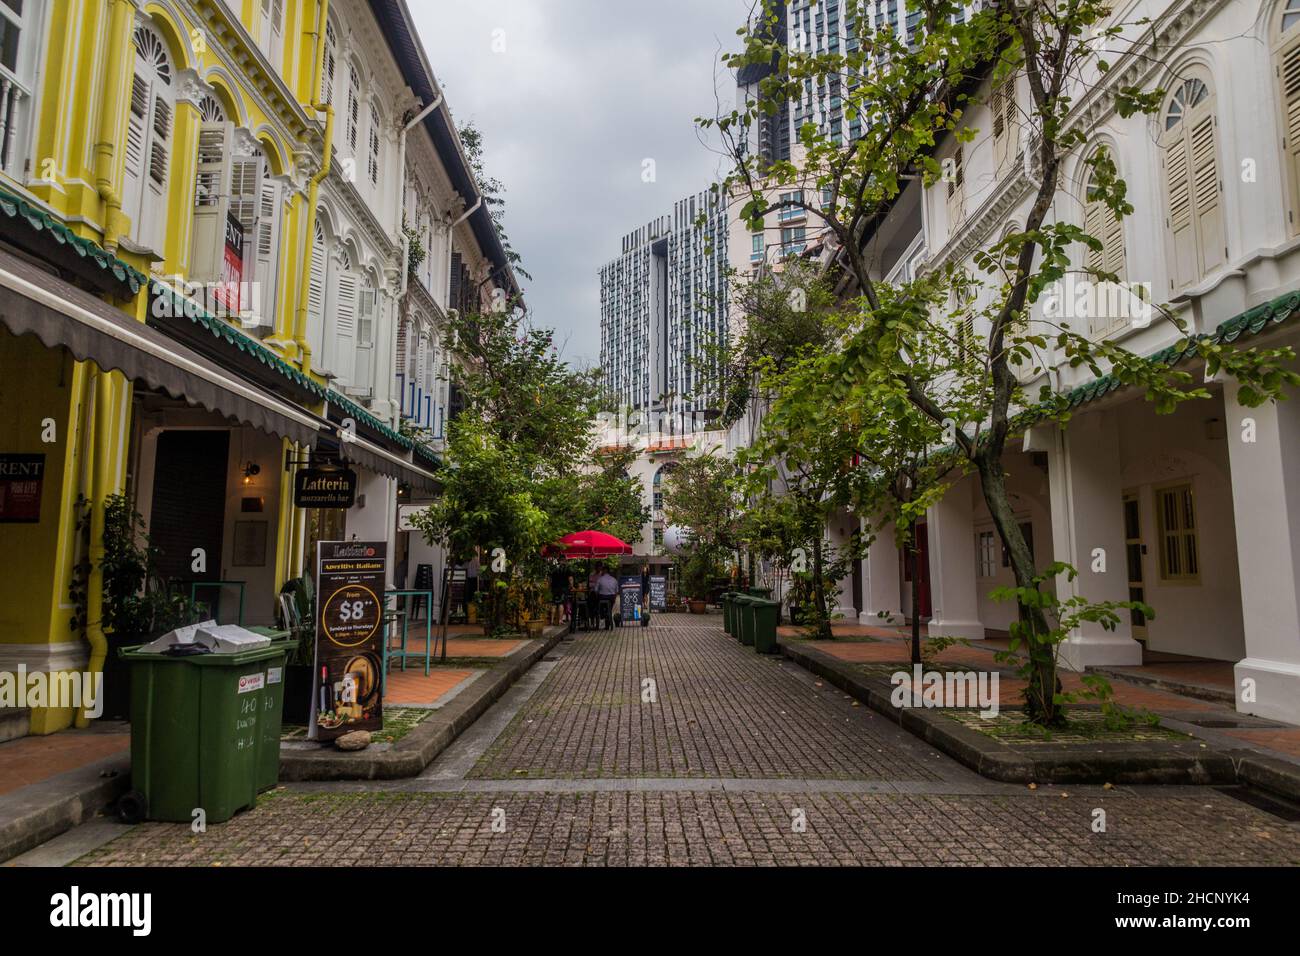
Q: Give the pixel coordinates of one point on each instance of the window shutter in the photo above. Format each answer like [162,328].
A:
[453,294]
[1181,219]
[316,286]
[137,135]
[367,306]
[267,243]
[211,201]
[1289,70]
[374,146]
[956,192]
[1205,190]
[353,109]
[331,45]
[155,221]
[400,363]
[345,324]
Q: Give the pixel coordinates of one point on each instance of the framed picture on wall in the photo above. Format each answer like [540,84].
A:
[250,544]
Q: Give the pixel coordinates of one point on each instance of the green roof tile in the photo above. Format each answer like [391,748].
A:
[16,207]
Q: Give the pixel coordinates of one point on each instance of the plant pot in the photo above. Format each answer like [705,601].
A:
[536,627]
[796,613]
[698,607]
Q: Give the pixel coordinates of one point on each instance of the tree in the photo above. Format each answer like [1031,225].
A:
[909,92]
[493,190]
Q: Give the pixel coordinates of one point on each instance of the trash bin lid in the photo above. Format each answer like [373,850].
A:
[217,638]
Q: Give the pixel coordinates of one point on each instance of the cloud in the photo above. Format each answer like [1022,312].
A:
[582,92]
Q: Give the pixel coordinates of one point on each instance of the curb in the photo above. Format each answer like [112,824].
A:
[1278,777]
[1122,763]
[410,755]
[1197,691]
[40,812]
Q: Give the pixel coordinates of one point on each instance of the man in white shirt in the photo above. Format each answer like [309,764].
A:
[606,590]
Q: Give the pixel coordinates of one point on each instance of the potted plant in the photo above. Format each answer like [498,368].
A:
[697,578]
[797,597]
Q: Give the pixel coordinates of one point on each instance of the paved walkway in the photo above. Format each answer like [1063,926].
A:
[733,759]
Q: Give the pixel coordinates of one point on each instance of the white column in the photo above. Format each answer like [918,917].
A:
[881,588]
[1087,490]
[838,532]
[376,519]
[1264,452]
[953,595]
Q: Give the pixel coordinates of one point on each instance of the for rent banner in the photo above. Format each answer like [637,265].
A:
[349,635]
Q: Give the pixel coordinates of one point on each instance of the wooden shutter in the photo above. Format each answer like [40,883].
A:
[1182,226]
[137,136]
[1005,128]
[154,219]
[331,62]
[273,32]
[266,243]
[316,287]
[1289,97]
[345,324]
[453,293]
[353,108]
[211,201]
[367,306]
[1205,192]
[956,191]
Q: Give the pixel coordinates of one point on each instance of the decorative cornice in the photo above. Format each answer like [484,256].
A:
[971,233]
[190,87]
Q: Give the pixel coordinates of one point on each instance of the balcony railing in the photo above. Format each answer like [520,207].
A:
[14,98]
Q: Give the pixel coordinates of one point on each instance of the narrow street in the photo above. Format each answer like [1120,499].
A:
[674,745]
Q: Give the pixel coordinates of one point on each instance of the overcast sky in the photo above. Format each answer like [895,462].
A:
[582,93]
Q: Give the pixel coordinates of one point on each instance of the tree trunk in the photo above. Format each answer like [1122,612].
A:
[1043,685]
[914,555]
[823,621]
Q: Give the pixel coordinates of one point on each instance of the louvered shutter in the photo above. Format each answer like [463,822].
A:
[1182,224]
[367,306]
[273,32]
[137,136]
[345,325]
[1205,192]
[1289,97]
[956,191]
[242,205]
[331,62]
[453,293]
[211,201]
[354,109]
[266,244]
[155,222]
[316,289]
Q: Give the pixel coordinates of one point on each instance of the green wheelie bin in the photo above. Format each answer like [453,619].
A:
[765,593]
[767,615]
[745,619]
[728,606]
[205,732]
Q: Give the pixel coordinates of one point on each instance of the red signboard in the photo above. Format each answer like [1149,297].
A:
[21,477]
[232,266]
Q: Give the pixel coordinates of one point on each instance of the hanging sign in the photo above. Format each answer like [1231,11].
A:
[21,477]
[325,488]
[349,638]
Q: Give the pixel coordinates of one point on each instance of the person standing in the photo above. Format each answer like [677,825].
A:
[606,590]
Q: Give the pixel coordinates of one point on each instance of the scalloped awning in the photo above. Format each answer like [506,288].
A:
[34,302]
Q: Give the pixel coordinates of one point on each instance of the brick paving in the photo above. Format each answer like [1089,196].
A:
[719,828]
[719,771]
[30,760]
[721,711]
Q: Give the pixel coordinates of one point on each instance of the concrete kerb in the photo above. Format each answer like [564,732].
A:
[42,811]
[1176,762]
[410,755]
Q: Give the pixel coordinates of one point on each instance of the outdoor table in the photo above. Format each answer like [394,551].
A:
[428,627]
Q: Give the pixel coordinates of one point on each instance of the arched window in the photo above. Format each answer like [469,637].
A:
[374,145]
[354,107]
[1286,57]
[367,308]
[149,139]
[1189,143]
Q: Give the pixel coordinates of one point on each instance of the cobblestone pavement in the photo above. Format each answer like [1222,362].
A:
[739,760]
[719,710]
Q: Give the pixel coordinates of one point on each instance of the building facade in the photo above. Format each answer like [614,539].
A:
[1192,512]
[205,280]
[663,306]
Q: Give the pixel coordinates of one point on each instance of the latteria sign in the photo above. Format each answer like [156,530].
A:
[325,488]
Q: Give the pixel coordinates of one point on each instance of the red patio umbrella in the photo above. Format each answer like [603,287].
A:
[588,544]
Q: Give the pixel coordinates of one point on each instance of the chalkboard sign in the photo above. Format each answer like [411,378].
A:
[629,591]
[658,592]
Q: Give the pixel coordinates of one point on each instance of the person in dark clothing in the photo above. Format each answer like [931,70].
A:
[561,588]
